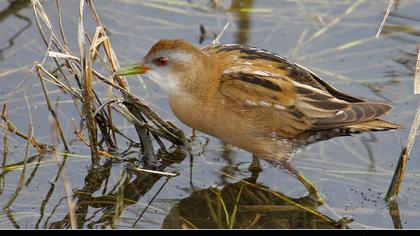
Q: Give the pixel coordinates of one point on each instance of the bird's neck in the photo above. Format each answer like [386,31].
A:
[201,83]
[196,100]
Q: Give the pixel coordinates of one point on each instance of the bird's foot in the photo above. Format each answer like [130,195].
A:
[314,193]
[344,222]
[254,169]
[255,166]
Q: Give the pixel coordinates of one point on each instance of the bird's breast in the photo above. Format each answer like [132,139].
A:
[217,120]
[192,112]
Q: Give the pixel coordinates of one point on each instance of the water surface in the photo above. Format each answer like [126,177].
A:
[335,39]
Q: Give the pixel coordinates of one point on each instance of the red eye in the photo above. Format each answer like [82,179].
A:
[161,61]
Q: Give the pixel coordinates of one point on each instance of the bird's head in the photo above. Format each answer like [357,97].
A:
[172,64]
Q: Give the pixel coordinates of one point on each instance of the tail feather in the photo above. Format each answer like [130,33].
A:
[358,113]
[312,136]
[372,125]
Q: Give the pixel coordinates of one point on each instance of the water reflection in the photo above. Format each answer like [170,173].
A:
[404,29]
[245,204]
[243,19]
[111,203]
[14,7]
[13,10]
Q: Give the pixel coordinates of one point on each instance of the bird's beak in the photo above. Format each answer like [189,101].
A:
[133,69]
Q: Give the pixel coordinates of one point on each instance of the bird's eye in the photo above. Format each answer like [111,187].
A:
[161,61]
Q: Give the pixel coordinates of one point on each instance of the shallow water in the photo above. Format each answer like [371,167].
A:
[335,39]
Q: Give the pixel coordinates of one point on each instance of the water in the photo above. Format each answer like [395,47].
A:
[335,39]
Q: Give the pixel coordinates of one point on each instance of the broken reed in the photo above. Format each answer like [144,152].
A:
[76,75]
[395,186]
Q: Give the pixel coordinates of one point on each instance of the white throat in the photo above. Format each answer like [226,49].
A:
[167,81]
[164,75]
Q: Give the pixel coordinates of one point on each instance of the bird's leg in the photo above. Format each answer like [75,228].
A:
[255,166]
[194,134]
[288,165]
[187,144]
[312,189]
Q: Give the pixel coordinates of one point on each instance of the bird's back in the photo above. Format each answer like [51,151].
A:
[264,82]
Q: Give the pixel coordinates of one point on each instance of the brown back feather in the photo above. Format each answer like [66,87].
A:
[309,102]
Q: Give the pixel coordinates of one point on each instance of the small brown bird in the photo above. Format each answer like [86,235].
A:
[252,98]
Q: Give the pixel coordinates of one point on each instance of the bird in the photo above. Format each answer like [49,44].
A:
[253,99]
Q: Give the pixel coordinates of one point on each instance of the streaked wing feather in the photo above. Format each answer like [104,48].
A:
[327,87]
[269,109]
[316,103]
[244,88]
[308,102]
[358,113]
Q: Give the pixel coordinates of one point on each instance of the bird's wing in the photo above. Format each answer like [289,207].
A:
[272,86]
[265,60]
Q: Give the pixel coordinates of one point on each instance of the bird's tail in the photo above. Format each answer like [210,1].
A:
[313,136]
[372,125]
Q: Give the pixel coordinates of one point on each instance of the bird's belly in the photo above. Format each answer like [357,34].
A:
[243,134]
[225,125]
[231,127]
[230,130]
[228,126]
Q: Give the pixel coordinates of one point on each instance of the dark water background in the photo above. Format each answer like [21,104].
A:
[335,39]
